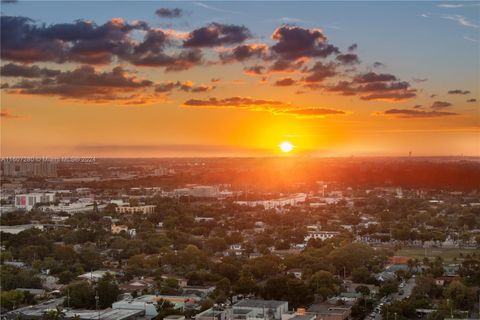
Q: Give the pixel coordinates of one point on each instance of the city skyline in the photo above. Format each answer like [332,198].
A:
[175,79]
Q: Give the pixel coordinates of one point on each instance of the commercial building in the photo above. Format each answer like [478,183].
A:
[29,200]
[198,192]
[38,312]
[292,200]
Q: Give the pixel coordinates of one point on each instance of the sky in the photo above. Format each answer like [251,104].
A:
[238,78]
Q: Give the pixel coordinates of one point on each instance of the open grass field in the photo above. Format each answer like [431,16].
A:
[448,254]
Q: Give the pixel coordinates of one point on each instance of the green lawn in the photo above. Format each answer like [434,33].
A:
[446,253]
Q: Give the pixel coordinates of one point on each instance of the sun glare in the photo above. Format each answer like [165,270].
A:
[286,146]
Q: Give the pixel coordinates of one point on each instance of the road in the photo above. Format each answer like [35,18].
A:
[407,291]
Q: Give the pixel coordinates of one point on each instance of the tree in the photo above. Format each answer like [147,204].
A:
[165,308]
[362,275]
[215,244]
[457,293]
[107,290]
[364,290]
[224,288]
[245,285]
[168,286]
[388,287]
[80,295]
[90,258]
[351,256]
[322,280]
[298,294]
[229,271]
[11,299]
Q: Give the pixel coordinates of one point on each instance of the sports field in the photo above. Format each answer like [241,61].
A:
[448,254]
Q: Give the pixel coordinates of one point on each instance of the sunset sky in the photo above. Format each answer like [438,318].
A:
[162,79]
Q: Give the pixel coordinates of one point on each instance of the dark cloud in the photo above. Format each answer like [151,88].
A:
[215,80]
[458,91]
[86,42]
[472,100]
[378,64]
[375,86]
[408,113]
[254,70]
[311,112]
[440,105]
[169,13]
[348,58]
[287,66]
[217,34]
[9,1]
[417,106]
[320,72]
[390,96]
[242,102]
[18,70]
[244,52]
[272,106]
[82,41]
[285,82]
[353,47]
[374,77]
[84,83]
[151,52]
[295,42]
[186,86]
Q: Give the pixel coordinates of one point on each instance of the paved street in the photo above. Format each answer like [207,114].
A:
[407,291]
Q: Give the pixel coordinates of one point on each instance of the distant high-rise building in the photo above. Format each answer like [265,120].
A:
[29,169]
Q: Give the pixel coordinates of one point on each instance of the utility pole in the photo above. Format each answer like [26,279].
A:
[96,303]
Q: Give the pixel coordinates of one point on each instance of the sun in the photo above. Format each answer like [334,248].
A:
[286,146]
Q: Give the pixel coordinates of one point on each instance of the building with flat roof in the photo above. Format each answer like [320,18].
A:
[29,169]
[19,228]
[136,209]
[265,309]
[291,200]
[322,235]
[215,314]
[29,200]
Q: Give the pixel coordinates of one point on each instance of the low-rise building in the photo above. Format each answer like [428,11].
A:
[136,209]
[96,275]
[292,200]
[215,314]
[265,309]
[20,227]
[322,235]
[28,201]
